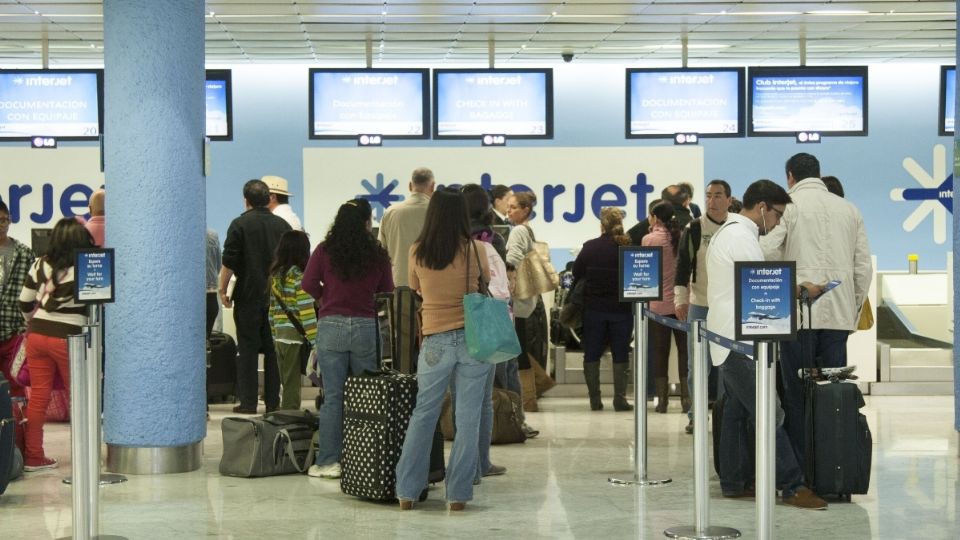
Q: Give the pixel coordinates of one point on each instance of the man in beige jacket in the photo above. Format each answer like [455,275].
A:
[402,223]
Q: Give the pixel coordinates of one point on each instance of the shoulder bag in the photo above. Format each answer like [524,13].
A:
[491,336]
[306,347]
[535,274]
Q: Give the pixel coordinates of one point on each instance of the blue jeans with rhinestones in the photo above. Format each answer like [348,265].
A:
[444,359]
[345,346]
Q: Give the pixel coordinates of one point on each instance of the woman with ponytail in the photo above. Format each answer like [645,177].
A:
[344,274]
[606,321]
[665,233]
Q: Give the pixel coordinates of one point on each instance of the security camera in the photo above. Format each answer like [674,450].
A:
[567,56]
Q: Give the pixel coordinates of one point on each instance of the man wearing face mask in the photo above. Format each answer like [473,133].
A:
[764,204]
[825,235]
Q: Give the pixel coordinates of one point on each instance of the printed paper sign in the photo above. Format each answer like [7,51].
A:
[765,305]
[640,271]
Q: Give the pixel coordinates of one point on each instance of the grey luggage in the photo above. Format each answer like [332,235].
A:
[269,445]
[7,435]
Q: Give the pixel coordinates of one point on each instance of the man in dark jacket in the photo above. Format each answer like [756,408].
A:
[247,253]
[677,197]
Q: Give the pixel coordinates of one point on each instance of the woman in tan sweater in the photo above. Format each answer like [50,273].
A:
[444,265]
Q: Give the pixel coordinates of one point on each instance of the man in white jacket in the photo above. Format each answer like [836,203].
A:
[825,235]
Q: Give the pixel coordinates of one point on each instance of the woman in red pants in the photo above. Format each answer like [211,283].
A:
[48,295]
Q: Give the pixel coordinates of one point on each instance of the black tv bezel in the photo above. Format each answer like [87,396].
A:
[97,72]
[941,117]
[808,71]
[425,101]
[741,100]
[225,75]
[548,90]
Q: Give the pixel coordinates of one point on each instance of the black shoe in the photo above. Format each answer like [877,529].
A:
[596,404]
[621,404]
[244,410]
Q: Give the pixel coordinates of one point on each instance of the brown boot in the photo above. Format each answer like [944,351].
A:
[543,379]
[684,396]
[528,390]
[663,391]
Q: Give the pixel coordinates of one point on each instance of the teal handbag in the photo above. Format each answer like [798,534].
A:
[491,336]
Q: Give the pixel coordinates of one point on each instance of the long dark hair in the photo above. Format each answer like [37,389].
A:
[446,230]
[292,250]
[68,235]
[353,250]
[478,205]
[668,216]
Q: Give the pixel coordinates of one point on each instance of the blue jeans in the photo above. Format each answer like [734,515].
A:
[444,359]
[507,376]
[830,346]
[344,345]
[739,375]
[486,424]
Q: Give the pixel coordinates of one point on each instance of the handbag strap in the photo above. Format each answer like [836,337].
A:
[482,287]
[293,318]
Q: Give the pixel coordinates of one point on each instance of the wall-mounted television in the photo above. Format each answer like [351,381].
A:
[62,103]
[831,100]
[345,103]
[468,103]
[219,101]
[948,99]
[664,101]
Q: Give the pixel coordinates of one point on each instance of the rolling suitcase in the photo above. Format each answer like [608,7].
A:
[221,368]
[376,411]
[838,444]
[401,343]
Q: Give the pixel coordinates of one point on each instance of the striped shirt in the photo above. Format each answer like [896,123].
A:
[58,315]
[299,302]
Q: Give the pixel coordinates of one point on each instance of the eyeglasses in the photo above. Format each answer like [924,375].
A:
[779,213]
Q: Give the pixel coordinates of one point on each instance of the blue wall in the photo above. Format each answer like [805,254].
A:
[270,132]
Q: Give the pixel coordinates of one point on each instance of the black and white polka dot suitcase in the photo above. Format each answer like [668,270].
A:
[376,411]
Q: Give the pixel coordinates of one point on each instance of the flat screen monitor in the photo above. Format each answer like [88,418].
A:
[219,105]
[664,101]
[468,103]
[345,103]
[831,100]
[62,103]
[948,99]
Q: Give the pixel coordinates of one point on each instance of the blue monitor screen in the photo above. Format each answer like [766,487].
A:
[830,100]
[56,103]
[345,103]
[662,102]
[218,105]
[948,99]
[517,103]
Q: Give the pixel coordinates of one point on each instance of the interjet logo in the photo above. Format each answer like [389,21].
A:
[557,202]
[935,194]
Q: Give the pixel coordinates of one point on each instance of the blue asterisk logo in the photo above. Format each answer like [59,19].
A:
[935,194]
[380,196]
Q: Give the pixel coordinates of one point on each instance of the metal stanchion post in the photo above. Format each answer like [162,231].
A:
[701,530]
[766,447]
[95,328]
[640,403]
[84,506]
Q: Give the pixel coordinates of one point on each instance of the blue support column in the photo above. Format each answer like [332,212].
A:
[154,418]
[956,242]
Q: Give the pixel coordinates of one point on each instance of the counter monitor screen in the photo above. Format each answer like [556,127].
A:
[948,99]
[346,103]
[829,100]
[469,103]
[62,103]
[219,105]
[664,101]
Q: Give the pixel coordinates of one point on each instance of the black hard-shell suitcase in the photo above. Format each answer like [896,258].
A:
[397,312]
[838,444]
[221,368]
[7,435]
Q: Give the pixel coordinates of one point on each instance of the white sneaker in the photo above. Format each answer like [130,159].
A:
[325,471]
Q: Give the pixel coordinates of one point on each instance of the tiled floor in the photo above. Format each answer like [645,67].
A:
[556,487]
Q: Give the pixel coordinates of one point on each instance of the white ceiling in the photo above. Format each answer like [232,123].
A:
[414,32]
